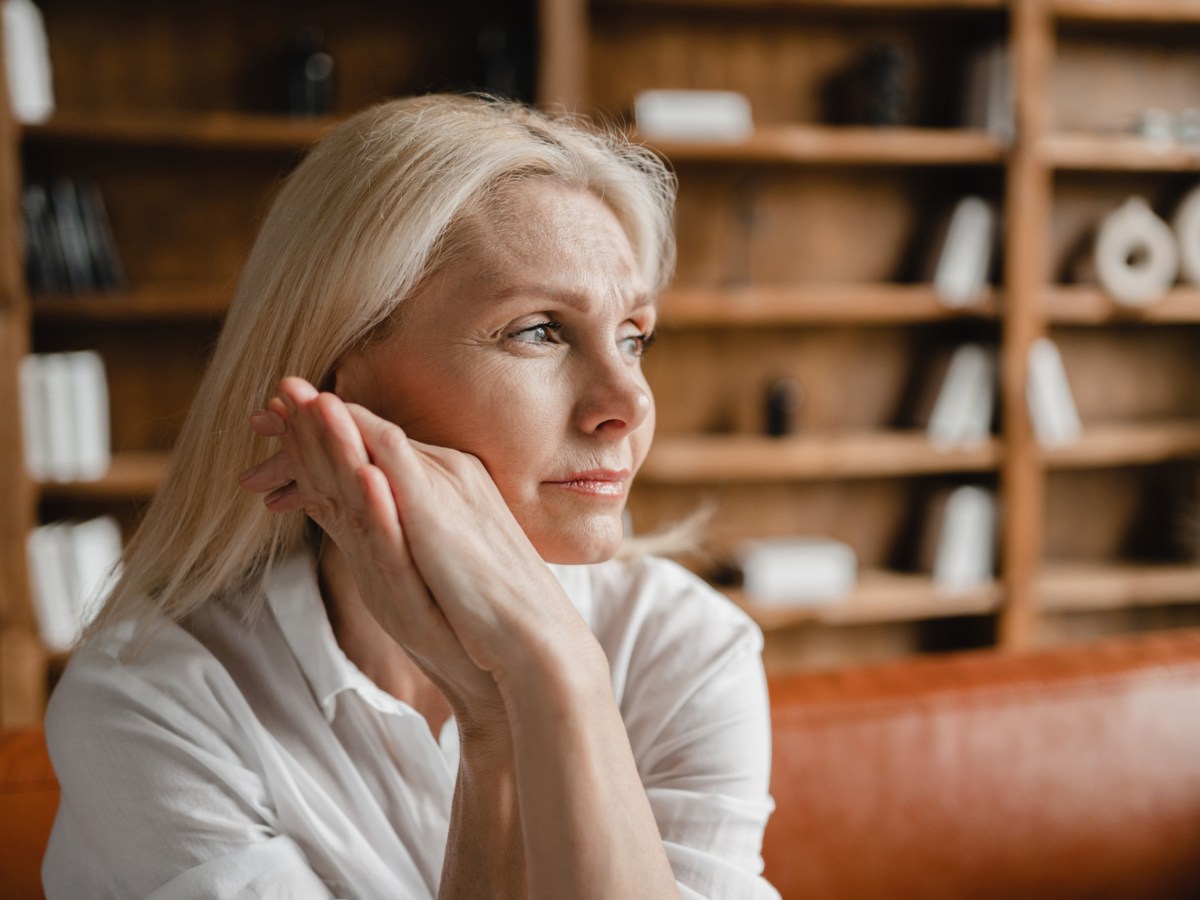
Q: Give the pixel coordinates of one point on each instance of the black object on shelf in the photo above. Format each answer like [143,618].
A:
[785,397]
[310,76]
[878,89]
[69,245]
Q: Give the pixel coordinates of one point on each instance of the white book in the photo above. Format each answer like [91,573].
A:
[89,407]
[26,52]
[693,115]
[1048,393]
[96,545]
[796,571]
[966,548]
[58,409]
[51,567]
[34,425]
[961,276]
[962,414]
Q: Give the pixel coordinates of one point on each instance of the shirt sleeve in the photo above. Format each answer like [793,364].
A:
[156,802]
[696,709]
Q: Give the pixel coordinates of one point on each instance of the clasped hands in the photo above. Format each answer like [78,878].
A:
[438,558]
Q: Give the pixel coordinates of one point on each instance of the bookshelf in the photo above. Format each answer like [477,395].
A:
[801,254]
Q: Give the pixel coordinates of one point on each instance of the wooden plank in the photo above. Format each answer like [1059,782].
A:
[1089,305]
[754,459]
[1092,586]
[1128,444]
[132,476]
[1119,153]
[816,5]
[841,145]
[1168,11]
[180,302]
[562,53]
[879,597]
[1027,220]
[188,130]
[766,305]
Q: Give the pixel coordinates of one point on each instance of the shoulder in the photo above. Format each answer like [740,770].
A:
[649,607]
[130,682]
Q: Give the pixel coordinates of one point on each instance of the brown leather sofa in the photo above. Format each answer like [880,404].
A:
[1072,773]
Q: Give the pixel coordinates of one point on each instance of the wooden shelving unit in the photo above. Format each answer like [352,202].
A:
[801,254]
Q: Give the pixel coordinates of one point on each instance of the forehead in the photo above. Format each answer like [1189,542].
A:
[541,229]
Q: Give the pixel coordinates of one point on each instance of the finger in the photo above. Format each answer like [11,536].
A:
[388,447]
[273,472]
[285,499]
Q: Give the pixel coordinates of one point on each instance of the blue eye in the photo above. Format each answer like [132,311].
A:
[536,334]
[637,344]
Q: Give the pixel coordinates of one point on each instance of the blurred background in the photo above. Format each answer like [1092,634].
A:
[931,361]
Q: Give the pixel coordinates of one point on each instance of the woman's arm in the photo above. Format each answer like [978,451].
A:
[447,571]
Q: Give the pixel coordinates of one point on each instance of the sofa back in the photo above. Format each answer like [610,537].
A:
[1066,773]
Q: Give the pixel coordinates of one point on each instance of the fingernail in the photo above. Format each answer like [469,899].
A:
[268,422]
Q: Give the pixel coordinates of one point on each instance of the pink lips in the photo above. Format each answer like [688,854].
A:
[596,482]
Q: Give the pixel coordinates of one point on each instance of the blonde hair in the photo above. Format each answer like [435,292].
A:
[359,224]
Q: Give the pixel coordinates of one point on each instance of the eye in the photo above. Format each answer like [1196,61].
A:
[541,333]
[637,344]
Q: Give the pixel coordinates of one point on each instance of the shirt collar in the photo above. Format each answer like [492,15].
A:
[294,597]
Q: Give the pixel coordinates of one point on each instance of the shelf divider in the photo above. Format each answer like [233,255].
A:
[1065,586]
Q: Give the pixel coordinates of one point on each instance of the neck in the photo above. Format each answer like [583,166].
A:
[368,646]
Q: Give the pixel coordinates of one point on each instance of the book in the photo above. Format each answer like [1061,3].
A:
[988,94]
[962,414]
[1051,404]
[65,416]
[960,541]
[107,272]
[72,236]
[961,276]
[73,567]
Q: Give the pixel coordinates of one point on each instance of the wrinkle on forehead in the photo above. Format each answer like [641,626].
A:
[527,232]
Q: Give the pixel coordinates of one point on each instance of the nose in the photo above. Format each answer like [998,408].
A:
[614,399]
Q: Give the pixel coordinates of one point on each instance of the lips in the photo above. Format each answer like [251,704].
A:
[596,482]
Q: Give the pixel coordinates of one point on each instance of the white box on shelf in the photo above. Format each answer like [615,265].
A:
[796,571]
[693,115]
[962,415]
[1051,406]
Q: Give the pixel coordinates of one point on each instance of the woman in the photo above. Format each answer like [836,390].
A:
[415,668]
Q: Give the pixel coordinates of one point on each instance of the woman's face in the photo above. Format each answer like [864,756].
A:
[526,352]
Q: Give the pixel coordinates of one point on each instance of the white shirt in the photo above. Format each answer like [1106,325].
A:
[252,759]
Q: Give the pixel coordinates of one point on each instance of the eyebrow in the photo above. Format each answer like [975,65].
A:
[569,298]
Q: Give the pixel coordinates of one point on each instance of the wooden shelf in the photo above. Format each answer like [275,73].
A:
[753,458]
[184,302]
[821,5]
[199,130]
[1119,153]
[1093,586]
[766,305]
[1128,445]
[1088,305]
[132,476]
[835,145]
[879,597]
[1167,11]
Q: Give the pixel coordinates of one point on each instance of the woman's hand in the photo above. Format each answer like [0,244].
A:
[324,468]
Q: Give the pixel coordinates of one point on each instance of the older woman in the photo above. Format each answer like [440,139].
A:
[416,668]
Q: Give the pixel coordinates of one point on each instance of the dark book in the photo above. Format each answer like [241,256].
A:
[107,271]
[72,236]
[45,270]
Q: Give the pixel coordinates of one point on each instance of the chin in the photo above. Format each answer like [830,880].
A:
[583,544]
